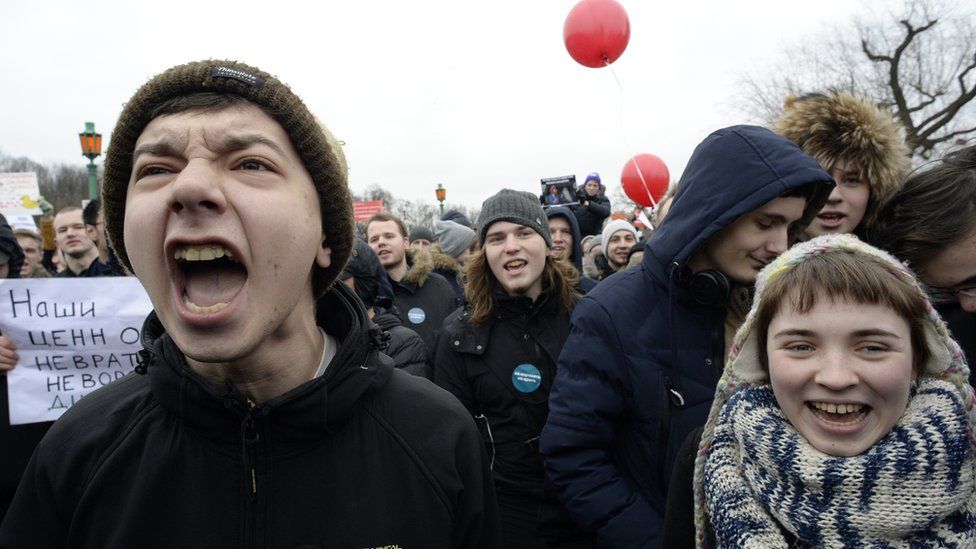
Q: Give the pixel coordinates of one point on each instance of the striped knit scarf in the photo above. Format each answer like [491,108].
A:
[916,487]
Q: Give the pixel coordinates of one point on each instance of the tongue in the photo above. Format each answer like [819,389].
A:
[209,282]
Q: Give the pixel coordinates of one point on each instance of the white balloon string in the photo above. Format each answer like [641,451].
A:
[623,135]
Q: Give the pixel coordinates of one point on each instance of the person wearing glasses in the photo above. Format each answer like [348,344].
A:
[930,224]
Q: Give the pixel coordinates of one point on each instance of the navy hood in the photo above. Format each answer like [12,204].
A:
[732,172]
[576,255]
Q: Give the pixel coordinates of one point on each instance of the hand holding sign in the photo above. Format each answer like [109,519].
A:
[8,354]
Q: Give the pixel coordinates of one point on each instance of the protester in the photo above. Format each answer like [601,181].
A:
[106,264]
[565,236]
[31,244]
[859,144]
[499,358]
[404,346]
[841,419]
[593,206]
[77,248]
[930,223]
[421,237]
[618,237]
[639,368]
[590,252]
[451,252]
[264,413]
[423,297]
[457,217]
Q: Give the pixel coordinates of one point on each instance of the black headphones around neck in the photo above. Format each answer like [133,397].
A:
[710,288]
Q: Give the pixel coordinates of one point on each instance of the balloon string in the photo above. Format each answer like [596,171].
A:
[623,135]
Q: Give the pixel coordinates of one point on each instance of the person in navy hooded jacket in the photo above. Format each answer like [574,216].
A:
[565,234]
[639,369]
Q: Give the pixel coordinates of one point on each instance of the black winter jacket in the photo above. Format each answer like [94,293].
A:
[592,214]
[408,351]
[423,299]
[364,456]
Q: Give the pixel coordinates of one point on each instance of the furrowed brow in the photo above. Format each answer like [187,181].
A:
[159,148]
[243,141]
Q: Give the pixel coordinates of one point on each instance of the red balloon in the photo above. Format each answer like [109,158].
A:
[596,32]
[656,178]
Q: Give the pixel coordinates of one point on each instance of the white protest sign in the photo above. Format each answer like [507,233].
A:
[19,193]
[73,336]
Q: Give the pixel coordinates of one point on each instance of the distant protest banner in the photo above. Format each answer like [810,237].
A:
[73,336]
[19,193]
[363,210]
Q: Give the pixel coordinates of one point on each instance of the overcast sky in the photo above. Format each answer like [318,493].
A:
[475,96]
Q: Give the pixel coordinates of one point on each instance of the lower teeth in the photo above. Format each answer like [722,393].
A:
[202,310]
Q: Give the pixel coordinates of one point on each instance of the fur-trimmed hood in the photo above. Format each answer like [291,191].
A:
[421,263]
[840,125]
[441,261]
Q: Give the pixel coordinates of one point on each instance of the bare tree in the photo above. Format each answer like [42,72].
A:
[61,184]
[918,61]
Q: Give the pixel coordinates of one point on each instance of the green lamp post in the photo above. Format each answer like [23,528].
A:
[91,148]
[441,195]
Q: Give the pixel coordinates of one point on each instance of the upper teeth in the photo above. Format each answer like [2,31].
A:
[515,264]
[201,253]
[838,408]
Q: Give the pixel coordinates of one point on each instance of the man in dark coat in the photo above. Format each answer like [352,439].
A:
[639,369]
[566,243]
[499,359]
[423,297]
[404,346]
[262,412]
[593,207]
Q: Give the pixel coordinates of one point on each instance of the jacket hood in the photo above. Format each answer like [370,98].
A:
[576,256]
[743,369]
[386,319]
[442,261]
[840,125]
[732,172]
[301,414]
[421,264]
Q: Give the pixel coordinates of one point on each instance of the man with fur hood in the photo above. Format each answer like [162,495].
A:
[262,412]
[861,145]
[450,251]
[639,369]
[423,298]
[566,238]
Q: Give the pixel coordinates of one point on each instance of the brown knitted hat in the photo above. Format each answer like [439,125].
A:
[320,152]
[840,125]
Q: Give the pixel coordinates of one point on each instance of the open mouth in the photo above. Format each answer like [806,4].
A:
[212,277]
[842,415]
[831,219]
[515,266]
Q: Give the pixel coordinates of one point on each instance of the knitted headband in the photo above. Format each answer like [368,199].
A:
[319,151]
[839,125]
[742,368]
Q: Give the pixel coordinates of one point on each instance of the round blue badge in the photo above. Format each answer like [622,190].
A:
[526,378]
[416,315]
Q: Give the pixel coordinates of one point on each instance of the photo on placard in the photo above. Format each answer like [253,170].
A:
[558,191]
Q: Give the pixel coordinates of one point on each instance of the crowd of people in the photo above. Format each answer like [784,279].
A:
[780,360]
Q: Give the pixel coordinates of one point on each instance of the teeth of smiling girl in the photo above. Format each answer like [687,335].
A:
[832,408]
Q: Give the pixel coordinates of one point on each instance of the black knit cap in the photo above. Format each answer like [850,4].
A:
[319,151]
[519,207]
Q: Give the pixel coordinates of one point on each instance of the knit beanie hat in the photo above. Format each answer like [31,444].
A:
[614,226]
[362,266]
[457,217]
[453,237]
[320,152]
[419,232]
[518,207]
[592,177]
[839,125]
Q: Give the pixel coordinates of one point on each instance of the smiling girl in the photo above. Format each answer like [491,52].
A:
[843,417]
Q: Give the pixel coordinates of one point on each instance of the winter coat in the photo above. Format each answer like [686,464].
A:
[448,267]
[423,299]
[592,214]
[501,371]
[363,456]
[638,371]
[405,347]
[585,284]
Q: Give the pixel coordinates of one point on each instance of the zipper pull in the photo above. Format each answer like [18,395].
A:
[674,393]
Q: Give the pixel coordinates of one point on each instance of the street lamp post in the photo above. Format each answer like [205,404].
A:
[441,195]
[91,148]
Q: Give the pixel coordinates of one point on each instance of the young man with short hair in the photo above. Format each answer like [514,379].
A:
[618,237]
[31,243]
[423,297]
[639,369]
[264,413]
[76,245]
[498,357]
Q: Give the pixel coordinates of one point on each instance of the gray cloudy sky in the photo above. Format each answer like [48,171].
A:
[475,96]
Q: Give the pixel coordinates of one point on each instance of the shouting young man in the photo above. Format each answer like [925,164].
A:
[639,369]
[259,419]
